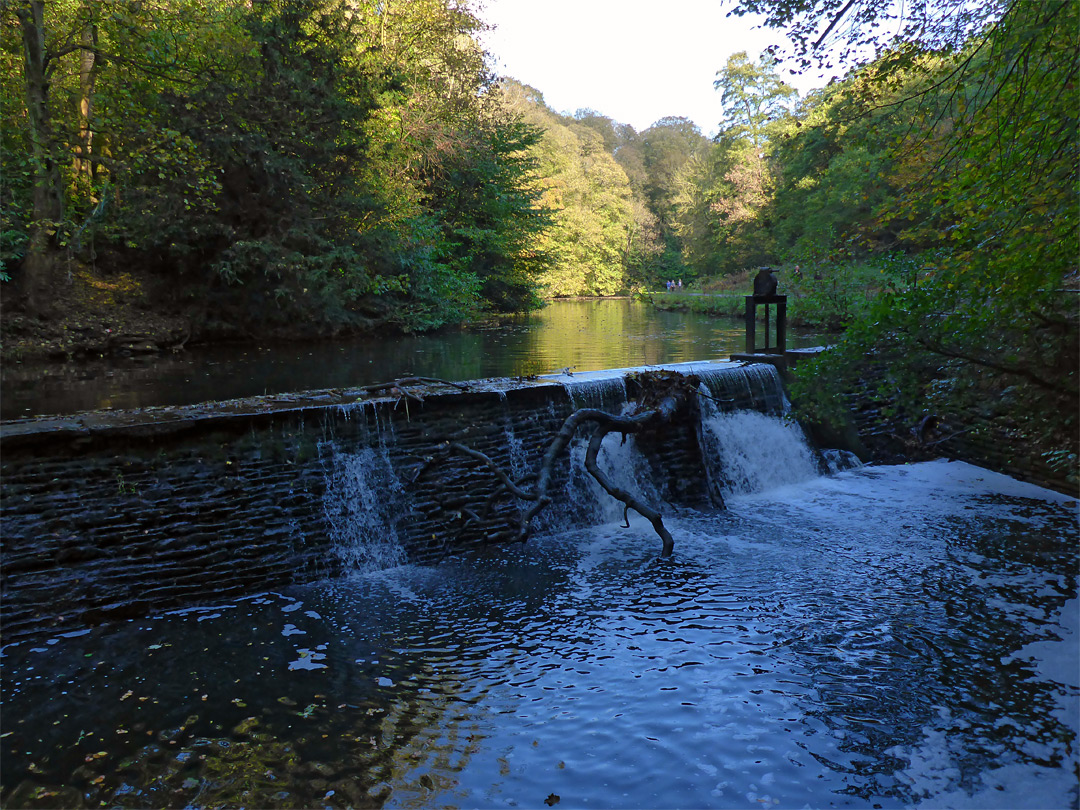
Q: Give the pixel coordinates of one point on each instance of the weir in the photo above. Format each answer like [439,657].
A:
[112,515]
[901,636]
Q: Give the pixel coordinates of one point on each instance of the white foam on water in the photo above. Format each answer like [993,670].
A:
[363,502]
[751,452]
[902,500]
[933,769]
[1057,659]
[933,486]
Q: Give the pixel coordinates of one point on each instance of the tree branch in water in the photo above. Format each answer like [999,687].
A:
[662,395]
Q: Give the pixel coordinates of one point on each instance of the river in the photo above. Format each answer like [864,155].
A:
[578,335]
[886,637]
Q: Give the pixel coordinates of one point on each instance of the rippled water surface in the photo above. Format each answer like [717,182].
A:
[579,335]
[888,637]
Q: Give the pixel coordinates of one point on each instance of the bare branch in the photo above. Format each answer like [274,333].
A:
[833,22]
[621,494]
[662,410]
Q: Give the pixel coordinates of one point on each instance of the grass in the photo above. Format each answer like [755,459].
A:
[826,296]
[705,304]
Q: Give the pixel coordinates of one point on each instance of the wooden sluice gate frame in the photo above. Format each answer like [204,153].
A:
[752,302]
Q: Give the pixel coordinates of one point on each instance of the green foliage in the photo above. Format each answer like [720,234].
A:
[732,306]
[721,212]
[667,148]
[16,160]
[589,239]
[929,200]
[295,164]
[830,289]
[753,97]
[487,198]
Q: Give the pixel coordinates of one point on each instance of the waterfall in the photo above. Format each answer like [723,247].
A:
[519,461]
[755,386]
[605,392]
[624,465]
[749,445]
[363,503]
[375,521]
[751,452]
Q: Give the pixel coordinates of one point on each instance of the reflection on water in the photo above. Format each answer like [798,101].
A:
[580,335]
[889,637]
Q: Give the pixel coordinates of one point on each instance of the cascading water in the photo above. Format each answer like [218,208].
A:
[519,463]
[752,452]
[364,502]
[605,392]
[746,451]
[619,456]
[756,384]
[625,467]
[897,637]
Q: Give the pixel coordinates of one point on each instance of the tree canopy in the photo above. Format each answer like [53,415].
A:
[323,165]
[948,158]
[321,162]
[314,166]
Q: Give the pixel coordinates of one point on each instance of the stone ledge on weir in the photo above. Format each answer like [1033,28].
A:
[169,419]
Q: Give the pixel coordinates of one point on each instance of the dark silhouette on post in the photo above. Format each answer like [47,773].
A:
[765,286]
[764,283]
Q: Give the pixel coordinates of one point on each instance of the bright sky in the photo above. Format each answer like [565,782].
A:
[631,60]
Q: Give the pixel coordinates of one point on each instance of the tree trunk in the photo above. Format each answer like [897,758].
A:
[84,167]
[40,265]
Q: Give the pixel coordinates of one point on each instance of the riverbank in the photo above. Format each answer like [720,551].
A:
[98,315]
[94,314]
[727,306]
[823,297]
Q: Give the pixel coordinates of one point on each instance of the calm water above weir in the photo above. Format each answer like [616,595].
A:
[579,335]
[884,637]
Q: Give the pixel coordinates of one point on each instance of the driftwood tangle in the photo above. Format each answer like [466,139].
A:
[660,396]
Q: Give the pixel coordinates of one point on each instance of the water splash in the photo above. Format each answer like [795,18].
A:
[752,452]
[363,503]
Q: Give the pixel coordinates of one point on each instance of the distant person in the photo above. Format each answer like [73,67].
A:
[680,283]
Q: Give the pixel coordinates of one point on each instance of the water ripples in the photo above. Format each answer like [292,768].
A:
[824,648]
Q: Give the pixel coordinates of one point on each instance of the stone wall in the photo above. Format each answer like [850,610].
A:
[987,439]
[112,515]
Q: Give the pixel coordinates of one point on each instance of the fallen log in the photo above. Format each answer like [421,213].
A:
[662,395]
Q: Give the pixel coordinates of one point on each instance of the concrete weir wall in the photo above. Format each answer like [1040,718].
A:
[112,515]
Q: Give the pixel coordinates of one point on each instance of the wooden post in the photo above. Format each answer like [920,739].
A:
[781,324]
[751,326]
